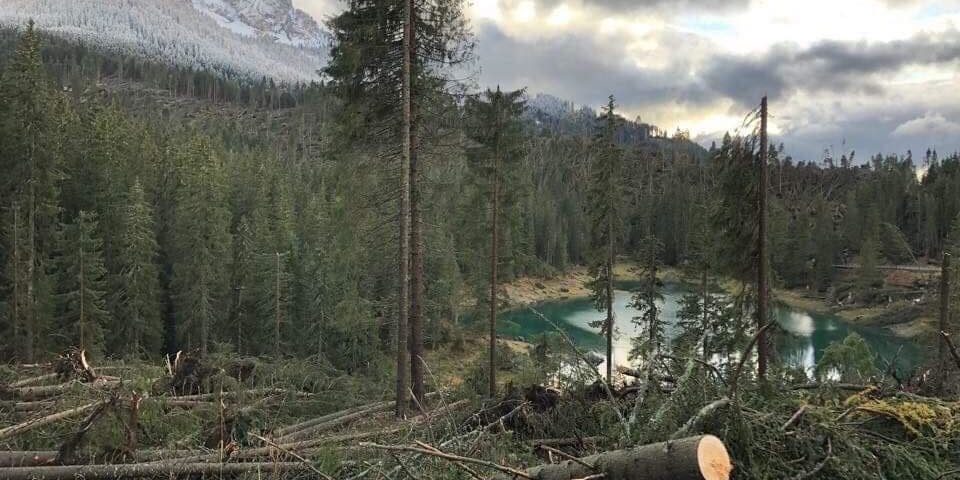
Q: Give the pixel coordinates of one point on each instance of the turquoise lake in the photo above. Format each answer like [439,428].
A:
[802,338]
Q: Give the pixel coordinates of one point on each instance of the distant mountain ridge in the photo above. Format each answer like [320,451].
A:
[237,38]
[275,19]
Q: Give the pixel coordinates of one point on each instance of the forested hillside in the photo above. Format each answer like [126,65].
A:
[151,207]
[276,178]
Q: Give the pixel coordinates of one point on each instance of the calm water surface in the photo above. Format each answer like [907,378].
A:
[801,342]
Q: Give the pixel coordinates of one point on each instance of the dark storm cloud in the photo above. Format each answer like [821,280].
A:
[585,69]
[829,66]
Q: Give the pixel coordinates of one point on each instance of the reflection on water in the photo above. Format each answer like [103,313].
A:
[800,343]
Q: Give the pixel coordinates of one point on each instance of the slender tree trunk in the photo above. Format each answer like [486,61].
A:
[403,299]
[239,320]
[30,302]
[762,293]
[610,261]
[416,233]
[17,321]
[494,231]
[704,315]
[83,343]
[276,325]
[944,316]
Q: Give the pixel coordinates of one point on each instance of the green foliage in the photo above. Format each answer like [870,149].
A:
[894,244]
[734,218]
[649,344]
[136,327]
[604,210]
[83,285]
[852,360]
[201,237]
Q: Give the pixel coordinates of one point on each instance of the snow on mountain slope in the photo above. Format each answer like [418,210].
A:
[174,32]
[276,19]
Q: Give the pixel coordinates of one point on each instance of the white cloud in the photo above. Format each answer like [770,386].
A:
[856,74]
[931,124]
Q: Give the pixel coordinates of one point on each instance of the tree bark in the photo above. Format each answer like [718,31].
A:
[32,381]
[132,470]
[693,458]
[609,292]
[403,300]
[280,432]
[762,267]
[276,326]
[31,424]
[494,232]
[416,231]
[944,317]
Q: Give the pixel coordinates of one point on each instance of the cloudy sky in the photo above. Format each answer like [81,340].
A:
[864,75]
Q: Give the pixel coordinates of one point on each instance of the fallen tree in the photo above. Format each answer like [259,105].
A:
[693,458]
[163,469]
[19,428]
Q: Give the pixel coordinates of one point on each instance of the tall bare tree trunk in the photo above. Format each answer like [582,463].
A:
[83,343]
[403,298]
[944,316]
[416,232]
[704,314]
[30,301]
[610,260]
[762,292]
[17,321]
[276,323]
[494,260]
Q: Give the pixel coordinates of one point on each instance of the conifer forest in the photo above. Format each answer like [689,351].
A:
[328,250]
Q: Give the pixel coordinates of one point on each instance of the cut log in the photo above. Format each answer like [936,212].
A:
[27,458]
[26,382]
[49,457]
[839,386]
[281,432]
[26,406]
[338,421]
[19,428]
[564,442]
[693,458]
[133,470]
[47,391]
[209,397]
[332,424]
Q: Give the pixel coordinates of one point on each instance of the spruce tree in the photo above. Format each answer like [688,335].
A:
[497,130]
[378,45]
[272,241]
[605,199]
[30,158]
[650,342]
[15,281]
[83,285]
[869,277]
[137,328]
[242,323]
[201,238]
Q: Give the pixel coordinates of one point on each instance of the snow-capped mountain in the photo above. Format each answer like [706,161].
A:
[247,38]
[276,19]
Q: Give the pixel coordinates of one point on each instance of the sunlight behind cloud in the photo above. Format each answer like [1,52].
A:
[488,9]
[525,11]
[560,15]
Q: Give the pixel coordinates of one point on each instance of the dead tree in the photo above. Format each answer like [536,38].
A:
[693,458]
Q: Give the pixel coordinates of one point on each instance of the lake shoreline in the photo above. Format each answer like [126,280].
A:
[860,316]
[571,285]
